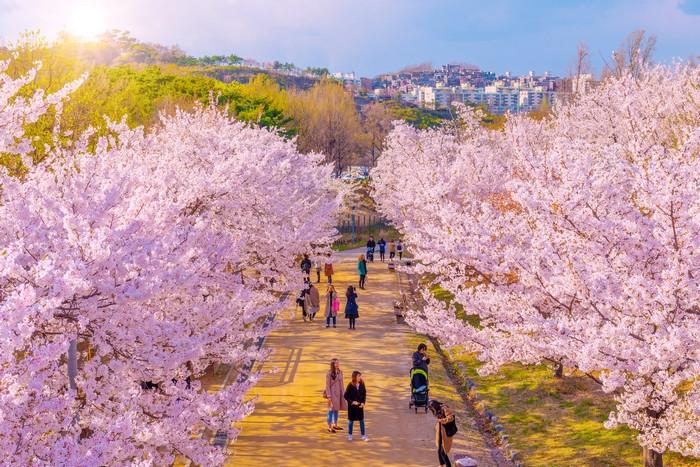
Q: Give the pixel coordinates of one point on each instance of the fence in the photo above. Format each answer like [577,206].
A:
[364,223]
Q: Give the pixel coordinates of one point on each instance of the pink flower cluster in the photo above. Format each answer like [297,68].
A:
[155,255]
[575,239]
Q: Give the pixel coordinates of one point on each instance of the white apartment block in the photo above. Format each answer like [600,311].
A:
[496,99]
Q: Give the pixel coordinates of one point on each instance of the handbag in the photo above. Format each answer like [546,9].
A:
[451,428]
[336,305]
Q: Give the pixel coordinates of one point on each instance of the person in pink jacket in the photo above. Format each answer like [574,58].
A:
[334,394]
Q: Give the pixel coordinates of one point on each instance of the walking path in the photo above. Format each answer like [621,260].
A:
[288,427]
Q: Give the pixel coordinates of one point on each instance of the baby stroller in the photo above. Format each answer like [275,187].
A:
[419,389]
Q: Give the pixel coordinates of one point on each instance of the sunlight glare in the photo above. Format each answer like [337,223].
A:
[86,22]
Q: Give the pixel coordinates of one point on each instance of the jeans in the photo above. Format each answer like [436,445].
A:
[381,255]
[332,417]
[444,458]
[328,320]
[363,278]
[362,427]
[391,255]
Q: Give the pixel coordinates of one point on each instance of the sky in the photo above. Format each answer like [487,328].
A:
[374,36]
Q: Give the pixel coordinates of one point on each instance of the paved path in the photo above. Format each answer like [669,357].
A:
[288,427]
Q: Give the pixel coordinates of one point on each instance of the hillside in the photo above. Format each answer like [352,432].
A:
[244,74]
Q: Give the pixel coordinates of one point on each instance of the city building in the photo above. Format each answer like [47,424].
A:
[438,88]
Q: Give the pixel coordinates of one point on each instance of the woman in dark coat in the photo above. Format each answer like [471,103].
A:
[356,395]
[352,311]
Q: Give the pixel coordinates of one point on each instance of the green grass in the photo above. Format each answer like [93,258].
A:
[349,245]
[445,296]
[555,421]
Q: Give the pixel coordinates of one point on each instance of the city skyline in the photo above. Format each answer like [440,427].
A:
[371,38]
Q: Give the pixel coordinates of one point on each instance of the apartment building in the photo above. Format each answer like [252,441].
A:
[495,98]
[439,88]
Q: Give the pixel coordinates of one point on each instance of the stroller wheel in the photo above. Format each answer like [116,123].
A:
[416,409]
[426,410]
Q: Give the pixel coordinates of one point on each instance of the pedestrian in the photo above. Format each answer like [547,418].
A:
[445,429]
[356,395]
[382,248]
[420,357]
[362,271]
[392,249]
[306,265]
[313,301]
[334,395]
[332,305]
[352,311]
[301,299]
[371,245]
[399,249]
[317,266]
[328,270]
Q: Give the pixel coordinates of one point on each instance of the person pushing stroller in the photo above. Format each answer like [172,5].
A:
[420,357]
[371,245]
[419,378]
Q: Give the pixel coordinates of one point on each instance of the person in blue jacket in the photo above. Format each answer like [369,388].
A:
[382,248]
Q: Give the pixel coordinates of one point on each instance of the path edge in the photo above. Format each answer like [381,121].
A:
[486,422]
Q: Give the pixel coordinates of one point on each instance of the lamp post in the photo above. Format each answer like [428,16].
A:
[352,217]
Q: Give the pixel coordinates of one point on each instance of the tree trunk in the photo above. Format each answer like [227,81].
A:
[558,370]
[652,458]
[73,363]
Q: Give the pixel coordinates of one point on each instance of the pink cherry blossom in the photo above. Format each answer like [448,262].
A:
[155,255]
[575,240]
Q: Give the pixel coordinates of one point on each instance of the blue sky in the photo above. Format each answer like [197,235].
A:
[373,36]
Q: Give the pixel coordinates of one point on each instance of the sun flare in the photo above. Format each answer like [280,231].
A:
[86,22]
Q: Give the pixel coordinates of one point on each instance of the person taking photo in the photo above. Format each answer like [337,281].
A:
[420,357]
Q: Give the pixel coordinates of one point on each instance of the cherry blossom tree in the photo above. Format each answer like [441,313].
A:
[574,239]
[17,111]
[131,264]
